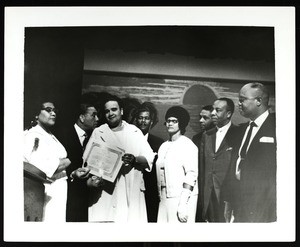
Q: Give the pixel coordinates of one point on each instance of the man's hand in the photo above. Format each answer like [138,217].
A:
[95,181]
[128,159]
[80,173]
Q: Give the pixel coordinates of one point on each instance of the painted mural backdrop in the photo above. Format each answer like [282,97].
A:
[164,93]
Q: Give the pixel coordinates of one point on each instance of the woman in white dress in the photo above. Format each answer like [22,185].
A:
[177,169]
[44,151]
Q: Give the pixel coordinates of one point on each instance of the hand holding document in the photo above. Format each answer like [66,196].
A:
[103,160]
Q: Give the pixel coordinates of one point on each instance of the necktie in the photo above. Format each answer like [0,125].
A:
[246,143]
[85,141]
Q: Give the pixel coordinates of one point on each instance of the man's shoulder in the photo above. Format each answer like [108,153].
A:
[155,138]
[210,131]
[197,136]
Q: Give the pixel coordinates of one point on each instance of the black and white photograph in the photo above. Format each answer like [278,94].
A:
[193,112]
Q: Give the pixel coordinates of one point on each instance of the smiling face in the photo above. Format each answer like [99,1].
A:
[47,115]
[113,114]
[144,122]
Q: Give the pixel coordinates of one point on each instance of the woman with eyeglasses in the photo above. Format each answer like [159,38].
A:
[177,169]
[44,151]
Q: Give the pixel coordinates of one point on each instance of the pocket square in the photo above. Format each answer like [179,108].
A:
[266,139]
[228,149]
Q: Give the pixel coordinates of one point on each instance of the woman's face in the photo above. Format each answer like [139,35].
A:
[47,115]
[172,125]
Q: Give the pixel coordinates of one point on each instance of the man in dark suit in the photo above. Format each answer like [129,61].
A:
[74,139]
[206,123]
[215,155]
[252,183]
[146,118]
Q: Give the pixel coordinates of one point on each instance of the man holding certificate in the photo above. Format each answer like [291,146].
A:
[117,154]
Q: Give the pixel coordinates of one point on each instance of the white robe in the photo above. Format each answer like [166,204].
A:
[123,200]
[46,157]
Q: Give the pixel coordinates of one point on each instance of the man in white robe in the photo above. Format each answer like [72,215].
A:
[123,200]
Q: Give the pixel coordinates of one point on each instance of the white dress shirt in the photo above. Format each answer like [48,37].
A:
[259,122]
[81,133]
[221,134]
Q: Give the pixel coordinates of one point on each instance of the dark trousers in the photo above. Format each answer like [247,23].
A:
[215,210]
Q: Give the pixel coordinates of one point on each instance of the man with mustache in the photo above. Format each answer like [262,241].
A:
[146,119]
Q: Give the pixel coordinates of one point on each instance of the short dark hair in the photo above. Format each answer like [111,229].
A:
[83,108]
[207,108]
[113,98]
[230,104]
[264,91]
[148,107]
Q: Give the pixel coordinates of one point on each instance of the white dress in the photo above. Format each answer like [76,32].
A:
[44,151]
[124,200]
[177,163]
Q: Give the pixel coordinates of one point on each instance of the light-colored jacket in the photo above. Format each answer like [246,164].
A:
[180,161]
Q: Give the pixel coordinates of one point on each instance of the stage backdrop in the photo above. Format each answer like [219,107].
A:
[192,94]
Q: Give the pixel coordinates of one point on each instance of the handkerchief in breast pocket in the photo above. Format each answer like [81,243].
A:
[266,139]
[229,149]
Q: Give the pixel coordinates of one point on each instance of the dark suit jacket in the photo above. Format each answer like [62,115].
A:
[216,164]
[77,200]
[151,193]
[197,139]
[254,196]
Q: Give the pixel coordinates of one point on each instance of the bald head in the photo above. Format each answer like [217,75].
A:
[253,100]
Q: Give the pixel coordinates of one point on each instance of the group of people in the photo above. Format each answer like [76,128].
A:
[226,173]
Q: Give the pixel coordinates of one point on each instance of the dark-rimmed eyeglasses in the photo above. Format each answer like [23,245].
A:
[50,109]
[174,121]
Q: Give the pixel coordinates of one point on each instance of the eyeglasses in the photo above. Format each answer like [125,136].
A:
[241,100]
[50,109]
[174,121]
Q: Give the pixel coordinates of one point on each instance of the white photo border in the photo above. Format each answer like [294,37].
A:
[17,18]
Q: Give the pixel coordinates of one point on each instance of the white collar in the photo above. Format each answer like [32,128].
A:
[260,120]
[80,131]
[225,127]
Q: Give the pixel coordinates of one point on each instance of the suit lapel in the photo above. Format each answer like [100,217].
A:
[212,136]
[224,141]
[263,131]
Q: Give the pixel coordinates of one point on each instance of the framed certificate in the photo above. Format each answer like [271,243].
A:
[104,161]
